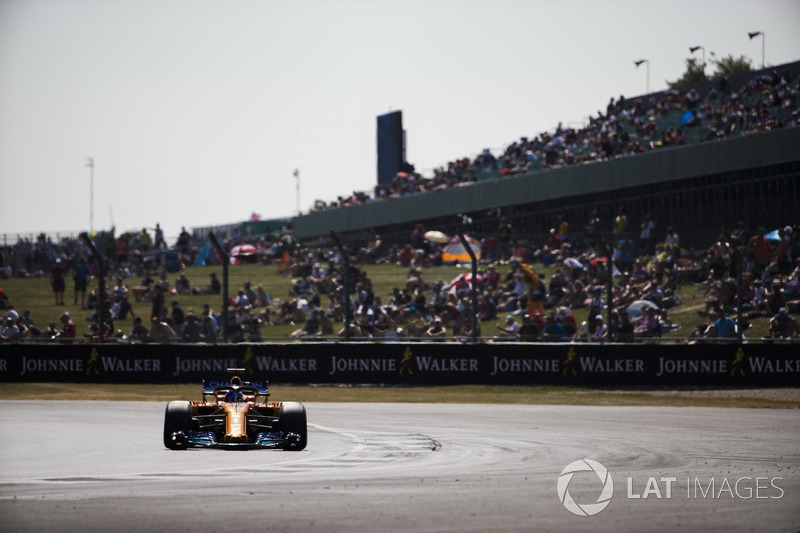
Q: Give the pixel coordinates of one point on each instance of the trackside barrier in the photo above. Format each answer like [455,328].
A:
[724,365]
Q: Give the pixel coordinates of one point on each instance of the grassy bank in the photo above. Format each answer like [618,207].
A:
[517,395]
[35,294]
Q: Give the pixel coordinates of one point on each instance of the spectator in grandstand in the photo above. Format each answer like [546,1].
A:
[620,224]
[504,233]
[646,235]
[623,254]
[672,237]
[760,248]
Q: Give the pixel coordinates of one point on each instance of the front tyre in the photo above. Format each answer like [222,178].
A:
[177,424]
[293,420]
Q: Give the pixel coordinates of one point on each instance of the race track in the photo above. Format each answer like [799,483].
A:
[78,466]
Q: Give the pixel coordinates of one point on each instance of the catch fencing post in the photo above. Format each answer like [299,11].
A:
[601,243]
[224,256]
[346,258]
[101,269]
[474,287]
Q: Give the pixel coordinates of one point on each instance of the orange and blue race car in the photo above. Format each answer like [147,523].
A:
[235,414]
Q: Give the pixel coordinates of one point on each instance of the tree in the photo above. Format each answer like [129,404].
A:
[728,66]
[723,67]
[695,72]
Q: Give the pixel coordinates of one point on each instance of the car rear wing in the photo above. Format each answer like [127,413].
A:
[261,386]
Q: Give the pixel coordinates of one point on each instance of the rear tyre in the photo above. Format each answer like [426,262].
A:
[293,420]
[177,418]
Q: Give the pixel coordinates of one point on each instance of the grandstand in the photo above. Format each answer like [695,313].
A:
[729,166]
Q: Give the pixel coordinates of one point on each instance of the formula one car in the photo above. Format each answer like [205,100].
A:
[235,414]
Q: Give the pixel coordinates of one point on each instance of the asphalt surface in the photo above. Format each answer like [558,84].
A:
[91,466]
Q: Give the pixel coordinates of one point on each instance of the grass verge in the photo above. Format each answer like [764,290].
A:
[512,395]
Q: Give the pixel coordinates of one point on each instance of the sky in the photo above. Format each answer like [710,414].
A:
[197,112]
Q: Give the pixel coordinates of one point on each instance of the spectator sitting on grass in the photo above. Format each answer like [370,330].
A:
[782,325]
[437,331]
[648,327]
[139,332]
[553,330]
[509,331]
[191,330]
[10,333]
[160,331]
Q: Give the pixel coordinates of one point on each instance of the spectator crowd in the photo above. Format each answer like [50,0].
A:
[642,284]
[524,305]
[627,127]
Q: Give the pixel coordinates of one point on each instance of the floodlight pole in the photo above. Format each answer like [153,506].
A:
[693,49]
[297,188]
[639,62]
[90,164]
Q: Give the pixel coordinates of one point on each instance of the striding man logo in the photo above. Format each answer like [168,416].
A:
[405,362]
[569,363]
[737,367]
[91,365]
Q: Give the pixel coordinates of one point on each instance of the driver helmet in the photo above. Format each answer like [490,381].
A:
[230,396]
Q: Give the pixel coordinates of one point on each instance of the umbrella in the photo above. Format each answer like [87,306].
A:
[454,251]
[466,277]
[242,252]
[636,309]
[436,236]
[773,236]
[203,256]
